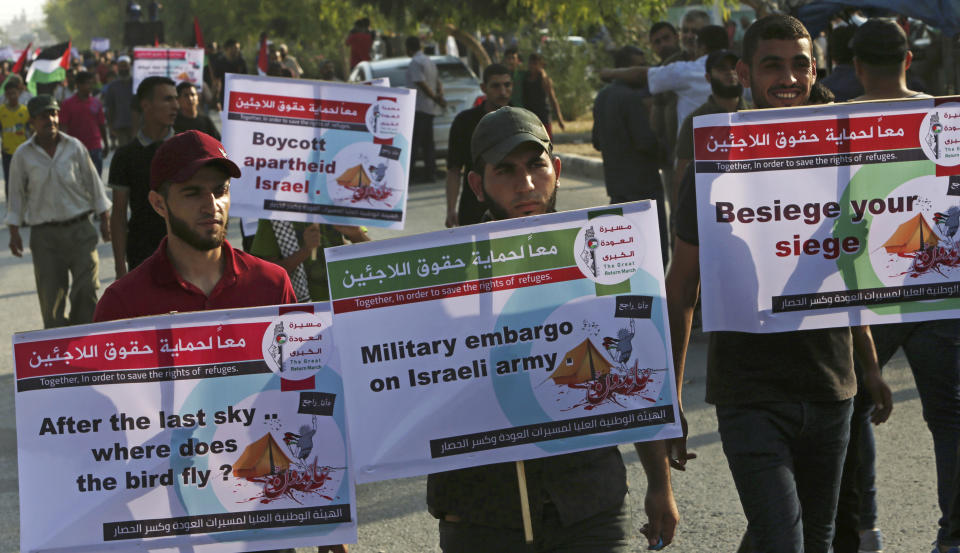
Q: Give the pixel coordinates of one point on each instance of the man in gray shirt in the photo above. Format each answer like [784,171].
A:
[422,75]
[117,103]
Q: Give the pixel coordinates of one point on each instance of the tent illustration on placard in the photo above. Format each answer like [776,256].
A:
[261,458]
[581,364]
[913,236]
[354,177]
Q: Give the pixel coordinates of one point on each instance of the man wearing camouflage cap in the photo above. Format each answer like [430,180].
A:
[577,500]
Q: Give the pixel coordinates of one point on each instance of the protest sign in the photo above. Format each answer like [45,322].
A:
[316,151]
[178,64]
[100,44]
[216,431]
[828,216]
[505,341]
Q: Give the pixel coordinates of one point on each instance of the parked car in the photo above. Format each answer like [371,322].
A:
[461,87]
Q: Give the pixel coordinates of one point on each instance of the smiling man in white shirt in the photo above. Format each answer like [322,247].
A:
[685,78]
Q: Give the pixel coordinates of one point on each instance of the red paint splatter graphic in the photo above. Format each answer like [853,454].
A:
[933,258]
[291,482]
[611,387]
[365,188]
[371,193]
[930,251]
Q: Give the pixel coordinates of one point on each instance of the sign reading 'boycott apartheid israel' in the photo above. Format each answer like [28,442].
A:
[317,151]
[827,216]
[217,431]
[504,341]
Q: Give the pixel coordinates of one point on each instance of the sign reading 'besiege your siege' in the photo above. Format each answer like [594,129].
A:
[826,216]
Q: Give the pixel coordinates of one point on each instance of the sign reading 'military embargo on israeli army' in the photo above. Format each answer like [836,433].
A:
[504,341]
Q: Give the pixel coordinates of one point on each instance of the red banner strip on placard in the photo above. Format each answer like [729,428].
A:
[297,108]
[808,138]
[165,347]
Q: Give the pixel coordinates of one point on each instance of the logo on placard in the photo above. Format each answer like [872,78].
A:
[296,345]
[383,118]
[609,249]
[940,136]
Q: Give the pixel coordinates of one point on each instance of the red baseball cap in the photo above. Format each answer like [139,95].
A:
[181,156]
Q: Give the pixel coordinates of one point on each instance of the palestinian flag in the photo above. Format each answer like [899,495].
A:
[198,34]
[262,56]
[17,67]
[50,66]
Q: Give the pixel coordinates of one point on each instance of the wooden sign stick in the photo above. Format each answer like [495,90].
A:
[313,253]
[524,503]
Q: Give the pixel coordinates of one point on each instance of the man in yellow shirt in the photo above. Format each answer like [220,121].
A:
[13,122]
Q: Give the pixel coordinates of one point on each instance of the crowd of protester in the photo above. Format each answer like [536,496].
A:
[643,129]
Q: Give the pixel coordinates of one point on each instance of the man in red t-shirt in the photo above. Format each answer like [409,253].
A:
[81,116]
[360,41]
[194,268]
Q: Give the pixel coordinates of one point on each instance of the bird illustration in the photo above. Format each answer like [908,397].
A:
[621,347]
[949,220]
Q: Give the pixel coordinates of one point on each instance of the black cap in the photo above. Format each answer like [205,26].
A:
[716,57]
[500,132]
[880,42]
[41,103]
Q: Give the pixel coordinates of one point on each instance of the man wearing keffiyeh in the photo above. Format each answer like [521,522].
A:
[298,248]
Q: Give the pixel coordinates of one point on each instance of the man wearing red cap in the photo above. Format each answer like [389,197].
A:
[195,268]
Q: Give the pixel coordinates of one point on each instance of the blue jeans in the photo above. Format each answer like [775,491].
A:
[786,459]
[97,157]
[933,351]
[867,449]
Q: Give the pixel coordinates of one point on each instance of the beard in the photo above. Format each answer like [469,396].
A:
[182,230]
[726,90]
[500,213]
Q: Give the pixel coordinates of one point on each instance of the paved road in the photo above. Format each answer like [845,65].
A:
[392,514]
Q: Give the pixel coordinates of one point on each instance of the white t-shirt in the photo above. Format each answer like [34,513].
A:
[687,79]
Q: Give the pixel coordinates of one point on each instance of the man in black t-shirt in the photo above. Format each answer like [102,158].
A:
[231,61]
[498,86]
[189,117]
[783,400]
[136,240]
